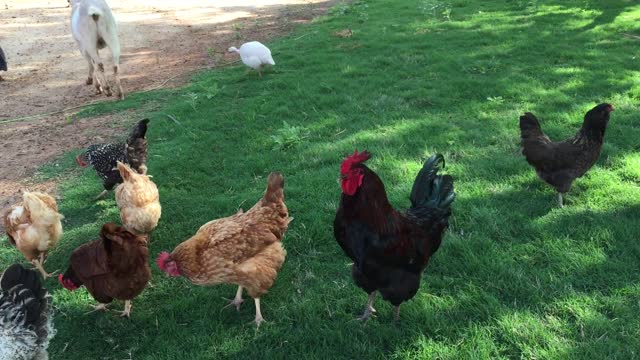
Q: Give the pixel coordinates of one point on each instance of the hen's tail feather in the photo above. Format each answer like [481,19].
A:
[27,289]
[275,187]
[137,146]
[139,131]
[431,190]
[529,126]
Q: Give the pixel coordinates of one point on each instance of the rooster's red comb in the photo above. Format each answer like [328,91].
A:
[354,159]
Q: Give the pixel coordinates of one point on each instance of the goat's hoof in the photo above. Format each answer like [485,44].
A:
[89,81]
[121,96]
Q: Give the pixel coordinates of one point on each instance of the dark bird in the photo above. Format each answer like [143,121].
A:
[25,315]
[560,163]
[390,249]
[111,267]
[3,62]
[104,157]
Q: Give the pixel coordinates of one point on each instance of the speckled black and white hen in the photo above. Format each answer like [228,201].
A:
[103,157]
[25,315]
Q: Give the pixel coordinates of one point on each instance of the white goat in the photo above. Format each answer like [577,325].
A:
[94,28]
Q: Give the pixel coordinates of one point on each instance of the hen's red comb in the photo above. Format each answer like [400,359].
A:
[354,159]
[80,162]
[162,260]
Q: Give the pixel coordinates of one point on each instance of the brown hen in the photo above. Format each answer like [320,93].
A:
[112,267]
[243,249]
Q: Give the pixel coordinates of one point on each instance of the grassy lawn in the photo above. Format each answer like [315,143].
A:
[516,277]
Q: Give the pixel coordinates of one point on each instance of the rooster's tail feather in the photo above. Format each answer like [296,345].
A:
[431,190]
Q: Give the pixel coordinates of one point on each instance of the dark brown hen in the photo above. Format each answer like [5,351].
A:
[112,267]
[560,163]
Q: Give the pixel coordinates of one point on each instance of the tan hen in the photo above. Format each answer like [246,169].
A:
[34,226]
[138,200]
[243,249]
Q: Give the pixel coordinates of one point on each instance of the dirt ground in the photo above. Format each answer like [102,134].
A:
[162,41]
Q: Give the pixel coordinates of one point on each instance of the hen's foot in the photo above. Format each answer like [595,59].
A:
[101,195]
[127,310]
[99,307]
[43,272]
[259,320]
[237,301]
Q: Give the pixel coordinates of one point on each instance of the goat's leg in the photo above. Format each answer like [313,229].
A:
[99,80]
[116,79]
[90,77]
[113,43]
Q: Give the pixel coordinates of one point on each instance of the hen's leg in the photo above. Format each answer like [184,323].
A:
[397,313]
[38,264]
[368,310]
[99,307]
[560,202]
[127,309]
[259,319]
[101,195]
[237,301]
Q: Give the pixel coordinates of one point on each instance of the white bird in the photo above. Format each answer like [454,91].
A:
[254,55]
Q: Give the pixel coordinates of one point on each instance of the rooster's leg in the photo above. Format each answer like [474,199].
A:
[127,309]
[237,301]
[397,313]
[259,318]
[560,202]
[368,310]
[101,195]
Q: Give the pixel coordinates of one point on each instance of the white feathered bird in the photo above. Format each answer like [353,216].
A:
[255,55]
[25,315]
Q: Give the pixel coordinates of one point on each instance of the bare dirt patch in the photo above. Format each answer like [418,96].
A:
[160,40]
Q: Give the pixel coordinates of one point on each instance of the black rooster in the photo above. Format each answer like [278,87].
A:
[560,163]
[104,157]
[390,249]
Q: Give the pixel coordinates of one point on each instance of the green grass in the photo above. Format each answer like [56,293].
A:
[516,277]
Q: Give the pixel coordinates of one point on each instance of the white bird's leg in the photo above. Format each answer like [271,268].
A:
[237,301]
[368,310]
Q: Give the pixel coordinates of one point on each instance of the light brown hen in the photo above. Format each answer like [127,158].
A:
[34,226]
[243,249]
[138,200]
